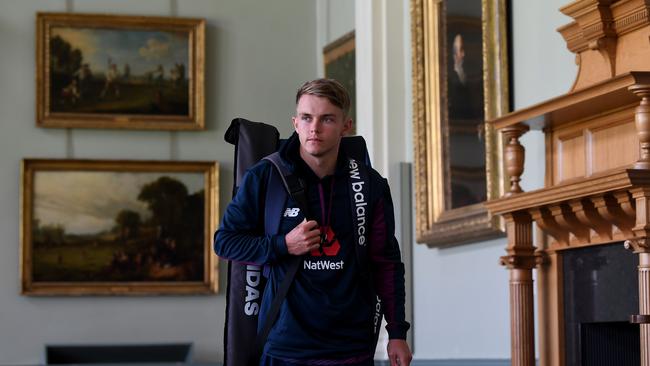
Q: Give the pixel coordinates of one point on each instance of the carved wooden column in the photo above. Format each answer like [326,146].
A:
[514,156]
[520,261]
[641,246]
[644,303]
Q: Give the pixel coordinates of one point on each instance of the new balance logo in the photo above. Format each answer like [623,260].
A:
[291,212]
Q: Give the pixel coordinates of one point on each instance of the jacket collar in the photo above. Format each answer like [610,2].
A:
[289,151]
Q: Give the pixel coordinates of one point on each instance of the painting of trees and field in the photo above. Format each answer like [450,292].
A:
[97,226]
[110,71]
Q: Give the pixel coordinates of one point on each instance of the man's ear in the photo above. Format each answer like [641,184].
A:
[347,127]
[294,121]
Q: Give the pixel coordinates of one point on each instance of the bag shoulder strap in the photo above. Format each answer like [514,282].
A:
[275,199]
[359,197]
[294,187]
[359,202]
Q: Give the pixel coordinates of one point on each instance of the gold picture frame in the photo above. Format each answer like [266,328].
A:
[339,59]
[449,127]
[124,72]
[112,227]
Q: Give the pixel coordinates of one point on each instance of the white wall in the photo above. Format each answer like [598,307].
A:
[543,68]
[338,16]
[334,18]
[257,54]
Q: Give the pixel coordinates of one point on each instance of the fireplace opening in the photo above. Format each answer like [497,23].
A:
[610,343]
[600,293]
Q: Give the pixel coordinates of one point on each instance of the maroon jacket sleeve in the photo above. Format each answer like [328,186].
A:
[386,264]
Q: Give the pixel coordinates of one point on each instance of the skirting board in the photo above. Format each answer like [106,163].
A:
[458,362]
[468,362]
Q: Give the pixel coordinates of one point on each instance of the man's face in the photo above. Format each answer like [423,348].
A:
[320,126]
[459,50]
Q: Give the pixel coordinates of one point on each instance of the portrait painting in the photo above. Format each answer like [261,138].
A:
[121,72]
[108,227]
[464,142]
[460,80]
[340,64]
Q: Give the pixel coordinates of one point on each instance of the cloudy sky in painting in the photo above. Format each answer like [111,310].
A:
[88,202]
[142,50]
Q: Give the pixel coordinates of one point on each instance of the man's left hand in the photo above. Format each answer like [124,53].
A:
[399,353]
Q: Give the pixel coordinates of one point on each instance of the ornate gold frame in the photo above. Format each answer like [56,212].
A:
[195,29]
[435,225]
[209,282]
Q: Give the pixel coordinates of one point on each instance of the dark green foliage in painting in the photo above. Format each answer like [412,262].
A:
[166,200]
[64,62]
[64,58]
[128,223]
[48,235]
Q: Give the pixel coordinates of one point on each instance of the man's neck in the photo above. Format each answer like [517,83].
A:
[321,166]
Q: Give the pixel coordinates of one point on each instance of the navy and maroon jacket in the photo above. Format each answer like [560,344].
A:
[328,312]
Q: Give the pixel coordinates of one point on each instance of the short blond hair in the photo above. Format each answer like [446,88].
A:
[327,88]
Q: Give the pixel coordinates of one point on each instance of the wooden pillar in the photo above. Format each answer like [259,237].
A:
[641,245]
[520,260]
[644,305]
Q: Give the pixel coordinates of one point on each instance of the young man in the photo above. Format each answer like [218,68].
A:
[327,317]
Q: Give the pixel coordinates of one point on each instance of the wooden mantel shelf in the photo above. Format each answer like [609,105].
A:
[589,211]
[602,97]
[615,180]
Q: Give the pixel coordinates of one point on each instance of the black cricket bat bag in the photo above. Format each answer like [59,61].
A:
[253,141]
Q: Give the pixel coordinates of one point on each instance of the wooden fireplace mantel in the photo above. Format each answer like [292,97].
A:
[597,191]
[595,210]
[597,182]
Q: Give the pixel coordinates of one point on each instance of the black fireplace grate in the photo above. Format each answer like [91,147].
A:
[610,344]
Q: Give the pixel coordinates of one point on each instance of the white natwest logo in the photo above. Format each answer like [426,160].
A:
[292,212]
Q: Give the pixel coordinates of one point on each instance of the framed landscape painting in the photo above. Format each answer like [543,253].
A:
[100,227]
[108,71]
[460,80]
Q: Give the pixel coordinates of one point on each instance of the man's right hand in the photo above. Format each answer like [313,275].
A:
[303,238]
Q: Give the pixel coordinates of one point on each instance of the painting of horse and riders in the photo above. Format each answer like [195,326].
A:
[126,74]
